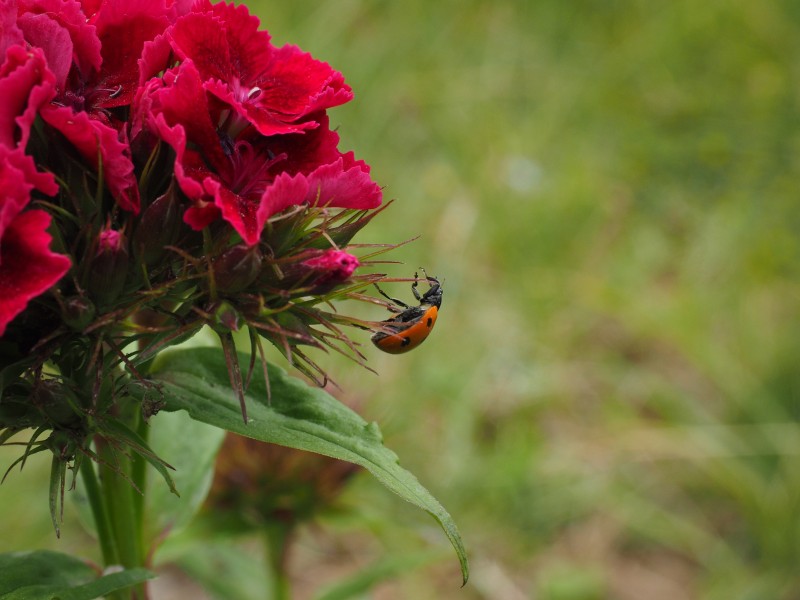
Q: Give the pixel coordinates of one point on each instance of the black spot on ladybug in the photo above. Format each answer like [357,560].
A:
[406,341]
[429,323]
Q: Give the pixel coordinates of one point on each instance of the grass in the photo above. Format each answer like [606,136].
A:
[609,405]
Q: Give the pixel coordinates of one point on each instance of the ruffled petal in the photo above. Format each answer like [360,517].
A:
[95,140]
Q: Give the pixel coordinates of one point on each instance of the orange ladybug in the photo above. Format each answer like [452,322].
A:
[412,324]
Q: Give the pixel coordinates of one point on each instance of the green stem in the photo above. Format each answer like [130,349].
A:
[101,521]
[118,495]
[276,542]
[139,478]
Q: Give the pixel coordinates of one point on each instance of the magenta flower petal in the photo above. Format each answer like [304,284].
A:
[10,33]
[299,85]
[25,85]
[285,191]
[91,7]
[20,174]
[27,265]
[304,152]
[343,184]
[94,139]
[274,89]
[123,28]
[182,101]
[59,27]
[46,34]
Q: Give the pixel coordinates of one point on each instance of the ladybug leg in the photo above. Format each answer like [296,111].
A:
[414,286]
[431,282]
[399,303]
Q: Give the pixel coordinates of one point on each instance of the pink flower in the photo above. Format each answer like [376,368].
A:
[28,267]
[242,176]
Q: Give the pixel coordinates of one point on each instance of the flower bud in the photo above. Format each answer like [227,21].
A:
[318,271]
[109,267]
[159,226]
[236,268]
[331,268]
[57,404]
[225,318]
[77,312]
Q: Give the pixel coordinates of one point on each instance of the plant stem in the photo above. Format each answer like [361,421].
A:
[101,521]
[139,478]
[118,497]
[276,546]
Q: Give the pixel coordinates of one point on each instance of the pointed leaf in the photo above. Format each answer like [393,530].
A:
[58,469]
[299,416]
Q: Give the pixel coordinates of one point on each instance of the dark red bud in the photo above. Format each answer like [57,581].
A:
[109,267]
[57,403]
[236,268]
[159,226]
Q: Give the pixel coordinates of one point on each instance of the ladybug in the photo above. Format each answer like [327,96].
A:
[412,324]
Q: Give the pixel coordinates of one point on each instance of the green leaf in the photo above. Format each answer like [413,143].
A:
[58,469]
[298,416]
[48,575]
[191,447]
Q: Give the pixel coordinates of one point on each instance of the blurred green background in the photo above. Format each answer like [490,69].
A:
[609,406]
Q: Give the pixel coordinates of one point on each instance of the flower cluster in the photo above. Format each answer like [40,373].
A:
[163,166]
